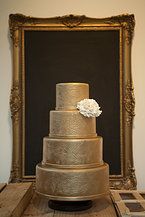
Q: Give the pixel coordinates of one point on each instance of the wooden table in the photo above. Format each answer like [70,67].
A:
[19,199]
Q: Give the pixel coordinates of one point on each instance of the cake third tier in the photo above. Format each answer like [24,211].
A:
[72,153]
[71,124]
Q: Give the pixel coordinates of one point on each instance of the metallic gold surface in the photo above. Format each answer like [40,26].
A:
[68,94]
[71,124]
[72,152]
[129,102]
[18,25]
[15,101]
[72,184]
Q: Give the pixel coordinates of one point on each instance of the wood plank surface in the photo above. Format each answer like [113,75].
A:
[38,207]
[2,186]
[14,199]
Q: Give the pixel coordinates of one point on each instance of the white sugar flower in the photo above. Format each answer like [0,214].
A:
[89,108]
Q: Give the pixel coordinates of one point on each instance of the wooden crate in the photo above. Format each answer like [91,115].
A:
[14,198]
[129,203]
[19,200]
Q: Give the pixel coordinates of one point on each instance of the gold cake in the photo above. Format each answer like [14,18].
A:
[72,168]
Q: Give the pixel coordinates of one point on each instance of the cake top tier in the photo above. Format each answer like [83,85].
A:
[68,94]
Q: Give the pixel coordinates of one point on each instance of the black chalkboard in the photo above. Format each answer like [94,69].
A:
[71,56]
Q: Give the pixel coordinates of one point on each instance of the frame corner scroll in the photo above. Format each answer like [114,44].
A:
[128,182]
[127,21]
[16,21]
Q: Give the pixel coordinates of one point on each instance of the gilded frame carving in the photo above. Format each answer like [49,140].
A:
[125,23]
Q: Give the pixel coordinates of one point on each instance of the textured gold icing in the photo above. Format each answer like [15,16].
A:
[73,184]
[68,94]
[72,152]
[71,124]
[72,167]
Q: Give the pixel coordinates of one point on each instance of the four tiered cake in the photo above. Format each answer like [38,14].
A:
[72,168]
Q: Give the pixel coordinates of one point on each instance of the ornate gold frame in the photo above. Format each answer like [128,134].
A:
[125,23]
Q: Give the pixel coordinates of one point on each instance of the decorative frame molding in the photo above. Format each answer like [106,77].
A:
[126,23]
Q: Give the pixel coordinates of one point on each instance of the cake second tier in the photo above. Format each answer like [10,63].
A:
[71,124]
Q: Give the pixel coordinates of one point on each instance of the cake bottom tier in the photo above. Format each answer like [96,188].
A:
[72,184]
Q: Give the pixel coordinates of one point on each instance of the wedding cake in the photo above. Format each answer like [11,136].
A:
[72,168]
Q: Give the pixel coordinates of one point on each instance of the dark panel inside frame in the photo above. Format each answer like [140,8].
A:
[78,56]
